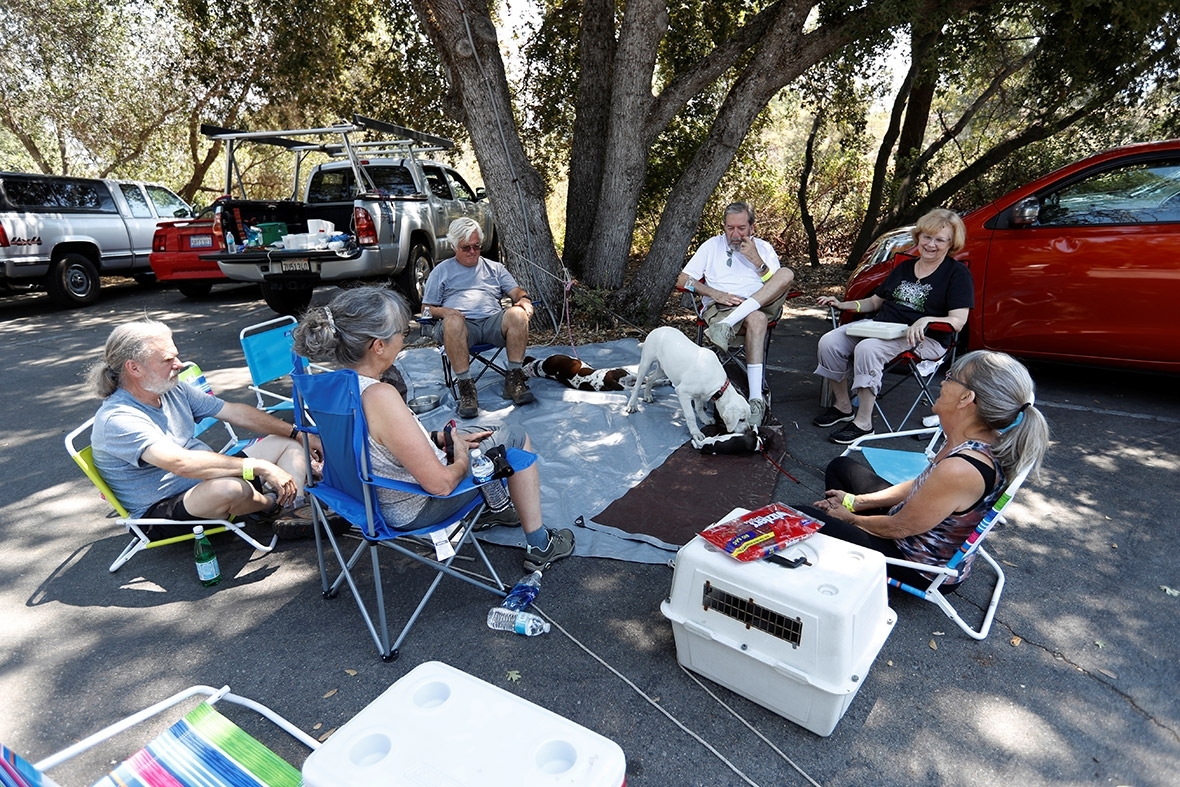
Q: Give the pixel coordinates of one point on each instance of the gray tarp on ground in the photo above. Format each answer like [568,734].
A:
[590,452]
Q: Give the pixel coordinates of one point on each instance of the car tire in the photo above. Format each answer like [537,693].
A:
[73,281]
[412,280]
[292,301]
[493,252]
[195,289]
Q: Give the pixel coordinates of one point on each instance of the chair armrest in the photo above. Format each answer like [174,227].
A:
[519,460]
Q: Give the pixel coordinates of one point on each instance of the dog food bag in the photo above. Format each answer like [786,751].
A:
[760,533]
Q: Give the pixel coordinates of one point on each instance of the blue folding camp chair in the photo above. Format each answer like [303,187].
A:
[486,355]
[332,402]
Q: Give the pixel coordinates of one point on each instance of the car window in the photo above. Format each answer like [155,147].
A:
[1140,193]
[330,185]
[167,203]
[59,193]
[135,199]
[459,187]
[438,182]
[84,195]
[30,193]
[395,181]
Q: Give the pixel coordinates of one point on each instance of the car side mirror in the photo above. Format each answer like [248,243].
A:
[1026,212]
[481,193]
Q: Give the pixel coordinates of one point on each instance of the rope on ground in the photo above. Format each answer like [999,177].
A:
[778,467]
[752,729]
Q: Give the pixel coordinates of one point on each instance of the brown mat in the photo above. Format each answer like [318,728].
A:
[692,490]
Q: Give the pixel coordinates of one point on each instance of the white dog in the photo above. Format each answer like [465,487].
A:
[698,377]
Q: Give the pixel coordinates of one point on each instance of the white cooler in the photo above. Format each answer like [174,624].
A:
[440,726]
[798,641]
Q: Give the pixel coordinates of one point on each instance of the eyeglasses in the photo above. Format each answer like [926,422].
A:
[469,247]
[948,377]
[924,238]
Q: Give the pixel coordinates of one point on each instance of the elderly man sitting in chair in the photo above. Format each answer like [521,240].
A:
[145,446]
[464,294]
[743,287]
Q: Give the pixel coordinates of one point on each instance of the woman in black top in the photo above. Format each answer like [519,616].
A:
[926,285]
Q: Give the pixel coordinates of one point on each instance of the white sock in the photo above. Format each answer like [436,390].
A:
[743,310]
[754,378]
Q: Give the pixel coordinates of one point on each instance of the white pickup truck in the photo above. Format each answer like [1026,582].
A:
[394,205]
[65,233]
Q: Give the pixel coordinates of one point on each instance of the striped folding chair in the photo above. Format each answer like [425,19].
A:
[203,748]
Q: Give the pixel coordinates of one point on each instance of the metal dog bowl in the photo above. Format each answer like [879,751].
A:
[423,404]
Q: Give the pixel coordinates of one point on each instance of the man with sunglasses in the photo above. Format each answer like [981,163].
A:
[464,294]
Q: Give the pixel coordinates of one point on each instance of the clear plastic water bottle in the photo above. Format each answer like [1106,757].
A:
[525,623]
[523,593]
[231,244]
[494,493]
[207,569]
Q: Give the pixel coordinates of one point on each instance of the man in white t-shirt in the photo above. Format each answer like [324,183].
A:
[744,288]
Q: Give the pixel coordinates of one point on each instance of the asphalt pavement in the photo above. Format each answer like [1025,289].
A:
[1076,685]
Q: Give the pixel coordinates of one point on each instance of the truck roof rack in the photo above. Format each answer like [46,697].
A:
[438,143]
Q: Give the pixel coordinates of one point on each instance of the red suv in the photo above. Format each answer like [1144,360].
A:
[1082,265]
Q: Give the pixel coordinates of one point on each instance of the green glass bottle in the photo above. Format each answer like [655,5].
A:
[207,569]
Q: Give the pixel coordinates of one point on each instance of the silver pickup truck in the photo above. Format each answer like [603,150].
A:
[394,206]
[65,233]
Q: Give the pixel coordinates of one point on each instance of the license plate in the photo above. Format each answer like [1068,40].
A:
[200,241]
[297,264]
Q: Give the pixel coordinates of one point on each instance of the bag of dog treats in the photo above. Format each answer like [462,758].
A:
[760,533]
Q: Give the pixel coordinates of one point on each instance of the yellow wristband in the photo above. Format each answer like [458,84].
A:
[849,501]
[858,306]
[247,470]
[769,273]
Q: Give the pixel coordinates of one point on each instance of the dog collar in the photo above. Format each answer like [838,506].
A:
[717,395]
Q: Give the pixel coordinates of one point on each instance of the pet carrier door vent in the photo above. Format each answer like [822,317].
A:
[753,615]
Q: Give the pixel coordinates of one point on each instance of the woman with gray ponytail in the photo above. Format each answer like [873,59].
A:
[994,431]
[363,329]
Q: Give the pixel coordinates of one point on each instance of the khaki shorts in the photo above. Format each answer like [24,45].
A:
[713,312]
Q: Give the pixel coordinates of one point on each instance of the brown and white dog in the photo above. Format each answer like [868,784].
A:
[573,373]
[698,377]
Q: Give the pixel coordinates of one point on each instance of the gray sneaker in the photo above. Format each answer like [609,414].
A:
[721,334]
[757,412]
[489,519]
[468,399]
[561,545]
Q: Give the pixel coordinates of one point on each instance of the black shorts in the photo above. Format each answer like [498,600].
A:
[168,508]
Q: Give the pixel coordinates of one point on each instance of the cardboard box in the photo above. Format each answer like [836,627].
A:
[438,725]
[799,641]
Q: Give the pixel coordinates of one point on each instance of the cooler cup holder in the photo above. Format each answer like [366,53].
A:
[556,757]
[432,695]
[370,750]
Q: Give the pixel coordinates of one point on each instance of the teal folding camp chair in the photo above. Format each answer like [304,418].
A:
[901,462]
[203,748]
[267,347]
[332,402]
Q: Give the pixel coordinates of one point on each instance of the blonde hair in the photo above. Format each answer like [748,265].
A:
[938,218]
